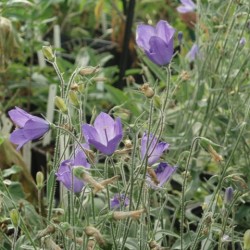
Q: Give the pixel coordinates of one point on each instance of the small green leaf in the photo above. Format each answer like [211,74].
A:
[15,169]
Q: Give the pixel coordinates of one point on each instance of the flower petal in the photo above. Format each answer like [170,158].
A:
[81,159]
[160,53]
[143,35]
[155,155]
[18,137]
[34,130]
[165,31]
[164,171]
[89,133]
[19,116]
[189,3]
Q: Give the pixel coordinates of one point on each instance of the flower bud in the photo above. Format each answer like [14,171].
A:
[104,183]
[153,176]
[128,143]
[82,174]
[157,101]
[60,104]
[74,98]
[147,90]
[14,216]
[229,192]
[89,70]
[185,75]
[48,53]
[131,214]
[207,145]
[92,231]
[39,179]
[50,229]
[74,86]
[180,37]
[242,42]
[246,240]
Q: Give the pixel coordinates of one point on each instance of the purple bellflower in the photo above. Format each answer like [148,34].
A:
[155,150]
[242,41]
[65,171]
[157,42]
[163,173]
[193,53]
[187,6]
[119,200]
[29,127]
[105,135]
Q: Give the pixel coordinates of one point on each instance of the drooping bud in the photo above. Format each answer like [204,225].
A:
[60,104]
[229,192]
[50,229]
[49,243]
[105,182]
[74,98]
[48,53]
[14,216]
[246,240]
[89,70]
[153,176]
[82,174]
[207,145]
[93,232]
[131,214]
[39,179]
[74,86]
[147,90]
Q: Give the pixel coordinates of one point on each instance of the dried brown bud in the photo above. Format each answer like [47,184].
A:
[105,182]
[147,90]
[185,75]
[214,154]
[92,231]
[153,175]
[128,143]
[74,87]
[89,70]
[130,214]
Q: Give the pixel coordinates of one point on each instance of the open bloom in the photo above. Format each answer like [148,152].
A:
[157,42]
[163,172]
[193,53]
[65,171]
[105,135]
[29,127]
[187,6]
[118,201]
[155,148]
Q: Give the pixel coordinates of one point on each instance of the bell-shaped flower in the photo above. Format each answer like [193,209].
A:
[193,53]
[29,127]
[187,6]
[155,148]
[105,135]
[119,200]
[163,173]
[157,42]
[65,171]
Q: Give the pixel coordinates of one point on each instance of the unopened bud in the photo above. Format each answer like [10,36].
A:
[207,145]
[229,192]
[246,240]
[39,179]
[93,232]
[82,174]
[157,101]
[48,53]
[104,183]
[14,216]
[89,70]
[60,104]
[131,214]
[242,42]
[74,98]
[128,143]
[147,90]
[74,86]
